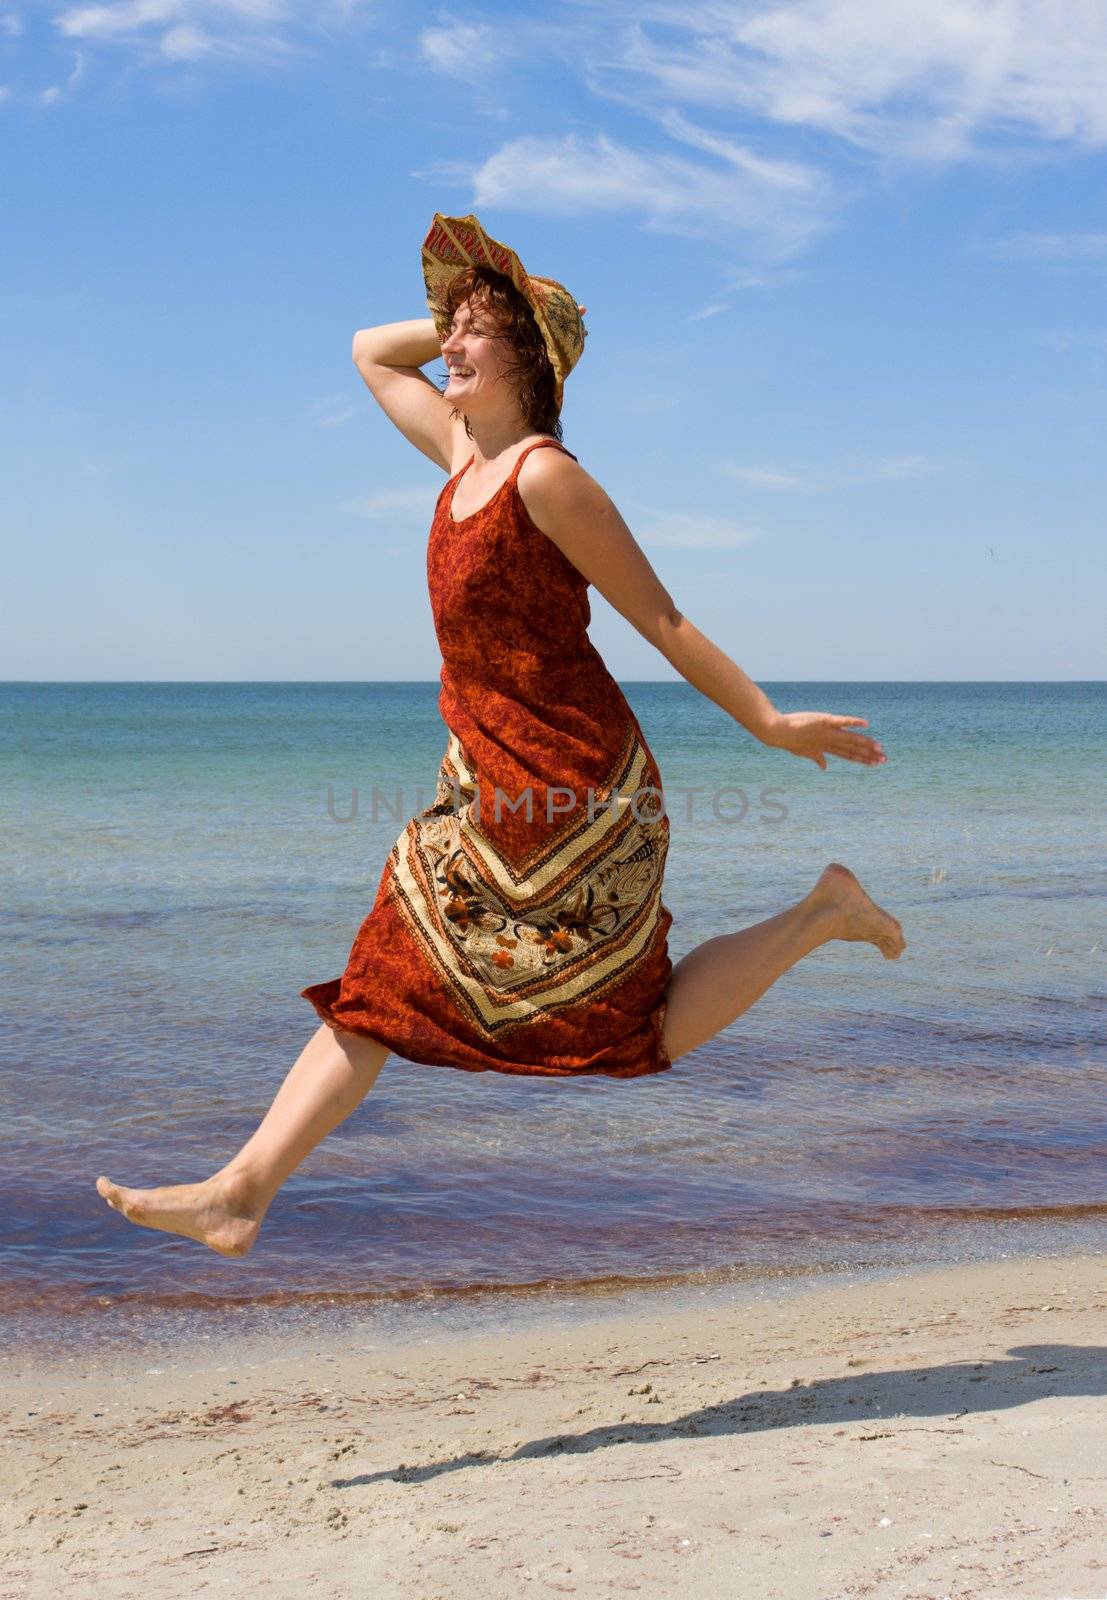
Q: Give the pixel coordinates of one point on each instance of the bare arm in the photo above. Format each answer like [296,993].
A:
[574,512]
[389,358]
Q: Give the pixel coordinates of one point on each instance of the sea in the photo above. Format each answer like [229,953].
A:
[179,860]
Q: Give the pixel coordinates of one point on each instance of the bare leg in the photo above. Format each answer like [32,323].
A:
[332,1075]
[722,978]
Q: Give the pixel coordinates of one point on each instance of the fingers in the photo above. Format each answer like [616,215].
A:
[856,747]
[831,737]
[869,751]
[860,747]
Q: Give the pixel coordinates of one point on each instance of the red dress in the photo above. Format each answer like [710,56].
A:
[519,926]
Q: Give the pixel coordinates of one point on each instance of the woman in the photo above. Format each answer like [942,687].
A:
[519,925]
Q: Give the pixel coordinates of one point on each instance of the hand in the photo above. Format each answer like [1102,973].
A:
[818,734]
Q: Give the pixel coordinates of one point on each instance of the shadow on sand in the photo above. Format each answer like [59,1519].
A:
[1035,1372]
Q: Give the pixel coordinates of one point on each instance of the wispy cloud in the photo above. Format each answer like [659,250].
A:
[934,82]
[817,480]
[1075,246]
[185,43]
[334,410]
[391,501]
[761,478]
[466,49]
[191,30]
[679,530]
[731,86]
[54,92]
[11,24]
[893,469]
[781,205]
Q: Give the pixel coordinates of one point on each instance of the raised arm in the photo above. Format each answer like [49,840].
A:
[389,358]
[571,508]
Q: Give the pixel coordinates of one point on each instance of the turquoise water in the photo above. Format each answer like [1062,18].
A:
[176,868]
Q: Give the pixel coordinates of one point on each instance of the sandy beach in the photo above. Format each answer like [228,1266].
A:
[937,1433]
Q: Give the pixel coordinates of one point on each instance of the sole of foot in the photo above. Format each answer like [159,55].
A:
[861,919]
[194,1210]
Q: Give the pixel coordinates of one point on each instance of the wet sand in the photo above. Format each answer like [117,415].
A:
[940,1433]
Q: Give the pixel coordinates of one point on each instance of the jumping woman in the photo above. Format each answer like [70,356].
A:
[519,925]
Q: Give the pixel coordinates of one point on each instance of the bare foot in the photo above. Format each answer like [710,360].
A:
[219,1212]
[859,918]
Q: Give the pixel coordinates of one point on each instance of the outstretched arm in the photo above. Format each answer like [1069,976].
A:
[572,510]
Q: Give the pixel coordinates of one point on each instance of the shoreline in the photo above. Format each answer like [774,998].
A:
[110,1327]
[923,1430]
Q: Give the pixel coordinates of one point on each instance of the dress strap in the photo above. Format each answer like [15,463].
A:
[537,445]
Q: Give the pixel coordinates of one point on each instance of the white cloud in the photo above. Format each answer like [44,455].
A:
[1054,246]
[678,530]
[464,49]
[892,469]
[391,501]
[188,30]
[51,95]
[773,175]
[934,81]
[816,480]
[98,22]
[185,43]
[743,85]
[782,204]
[334,410]
[11,24]
[761,478]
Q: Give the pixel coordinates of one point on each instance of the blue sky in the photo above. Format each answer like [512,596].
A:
[844,263]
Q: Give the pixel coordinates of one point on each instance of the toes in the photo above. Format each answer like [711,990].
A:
[112,1193]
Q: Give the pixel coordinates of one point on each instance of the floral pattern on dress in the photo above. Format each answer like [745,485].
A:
[505,943]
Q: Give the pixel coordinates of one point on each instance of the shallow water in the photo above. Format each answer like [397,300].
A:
[174,874]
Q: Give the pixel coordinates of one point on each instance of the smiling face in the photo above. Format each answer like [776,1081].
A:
[498,366]
[478,360]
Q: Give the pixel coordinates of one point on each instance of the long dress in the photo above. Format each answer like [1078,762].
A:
[519,926]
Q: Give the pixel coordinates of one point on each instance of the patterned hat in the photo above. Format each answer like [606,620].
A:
[455,243]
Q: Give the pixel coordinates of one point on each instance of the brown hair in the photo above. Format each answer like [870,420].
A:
[513,319]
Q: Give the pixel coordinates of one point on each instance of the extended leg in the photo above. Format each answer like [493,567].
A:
[330,1078]
[722,978]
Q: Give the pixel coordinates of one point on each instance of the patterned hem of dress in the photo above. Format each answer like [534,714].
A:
[405,1043]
